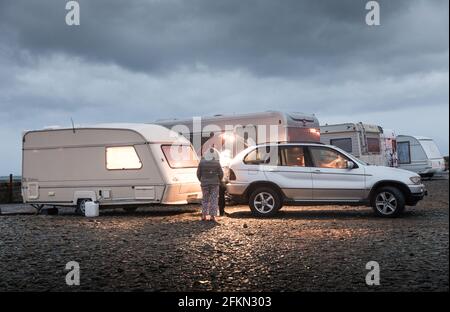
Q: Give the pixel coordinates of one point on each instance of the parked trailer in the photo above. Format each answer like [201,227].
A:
[364,141]
[115,164]
[419,154]
[232,133]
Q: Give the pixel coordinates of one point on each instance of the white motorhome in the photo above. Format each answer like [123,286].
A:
[364,141]
[232,133]
[419,154]
[115,164]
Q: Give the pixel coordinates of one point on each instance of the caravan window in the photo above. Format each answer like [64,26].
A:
[180,156]
[373,145]
[122,158]
[343,144]
[404,152]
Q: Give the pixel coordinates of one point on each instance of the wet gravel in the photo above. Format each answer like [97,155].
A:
[167,249]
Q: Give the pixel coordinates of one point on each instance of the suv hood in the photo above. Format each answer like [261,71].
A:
[390,173]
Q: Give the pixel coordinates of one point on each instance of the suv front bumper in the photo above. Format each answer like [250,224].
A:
[418,192]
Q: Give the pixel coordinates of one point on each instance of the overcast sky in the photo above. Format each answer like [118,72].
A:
[137,61]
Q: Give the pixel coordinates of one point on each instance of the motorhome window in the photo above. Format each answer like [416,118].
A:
[293,156]
[180,156]
[328,158]
[343,144]
[257,157]
[404,152]
[296,134]
[122,158]
[373,145]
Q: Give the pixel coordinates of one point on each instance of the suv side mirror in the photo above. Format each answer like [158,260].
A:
[350,164]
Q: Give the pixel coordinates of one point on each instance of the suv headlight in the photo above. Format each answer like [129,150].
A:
[416,180]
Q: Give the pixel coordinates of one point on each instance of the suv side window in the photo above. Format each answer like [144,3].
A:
[324,157]
[258,156]
[294,156]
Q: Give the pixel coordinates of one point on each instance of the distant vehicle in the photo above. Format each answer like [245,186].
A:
[115,164]
[269,175]
[232,133]
[419,154]
[366,142]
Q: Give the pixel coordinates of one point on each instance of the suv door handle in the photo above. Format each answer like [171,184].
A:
[316,170]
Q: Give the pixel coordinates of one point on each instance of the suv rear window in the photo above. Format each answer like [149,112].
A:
[293,156]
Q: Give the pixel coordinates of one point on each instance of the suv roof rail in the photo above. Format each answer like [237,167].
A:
[287,142]
[305,142]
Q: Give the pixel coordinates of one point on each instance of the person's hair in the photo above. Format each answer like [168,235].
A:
[212,154]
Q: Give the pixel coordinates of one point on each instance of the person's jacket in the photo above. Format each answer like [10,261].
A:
[209,172]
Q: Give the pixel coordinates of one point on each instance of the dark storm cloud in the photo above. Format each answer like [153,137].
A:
[137,61]
[288,37]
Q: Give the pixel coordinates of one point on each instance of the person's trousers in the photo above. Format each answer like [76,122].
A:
[210,201]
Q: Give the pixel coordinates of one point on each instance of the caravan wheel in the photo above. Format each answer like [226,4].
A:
[81,206]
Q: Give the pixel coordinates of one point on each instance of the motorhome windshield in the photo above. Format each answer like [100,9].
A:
[180,156]
[430,149]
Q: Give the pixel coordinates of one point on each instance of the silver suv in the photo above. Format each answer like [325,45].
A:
[268,176]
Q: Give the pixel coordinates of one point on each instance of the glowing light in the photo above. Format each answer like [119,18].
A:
[314,131]
[122,157]
[225,158]
[228,137]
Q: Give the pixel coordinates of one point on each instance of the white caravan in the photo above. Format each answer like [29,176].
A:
[115,164]
[420,155]
[364,141]
[232,133]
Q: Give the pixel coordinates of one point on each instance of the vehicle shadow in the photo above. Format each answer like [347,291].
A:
[143,212]
[362,214]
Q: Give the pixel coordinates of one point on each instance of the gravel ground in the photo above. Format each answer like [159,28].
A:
[164,249]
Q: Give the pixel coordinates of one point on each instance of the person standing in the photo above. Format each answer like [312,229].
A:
[210,175]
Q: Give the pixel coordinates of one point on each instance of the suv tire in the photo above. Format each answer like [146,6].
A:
[264,202]
[388,202]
